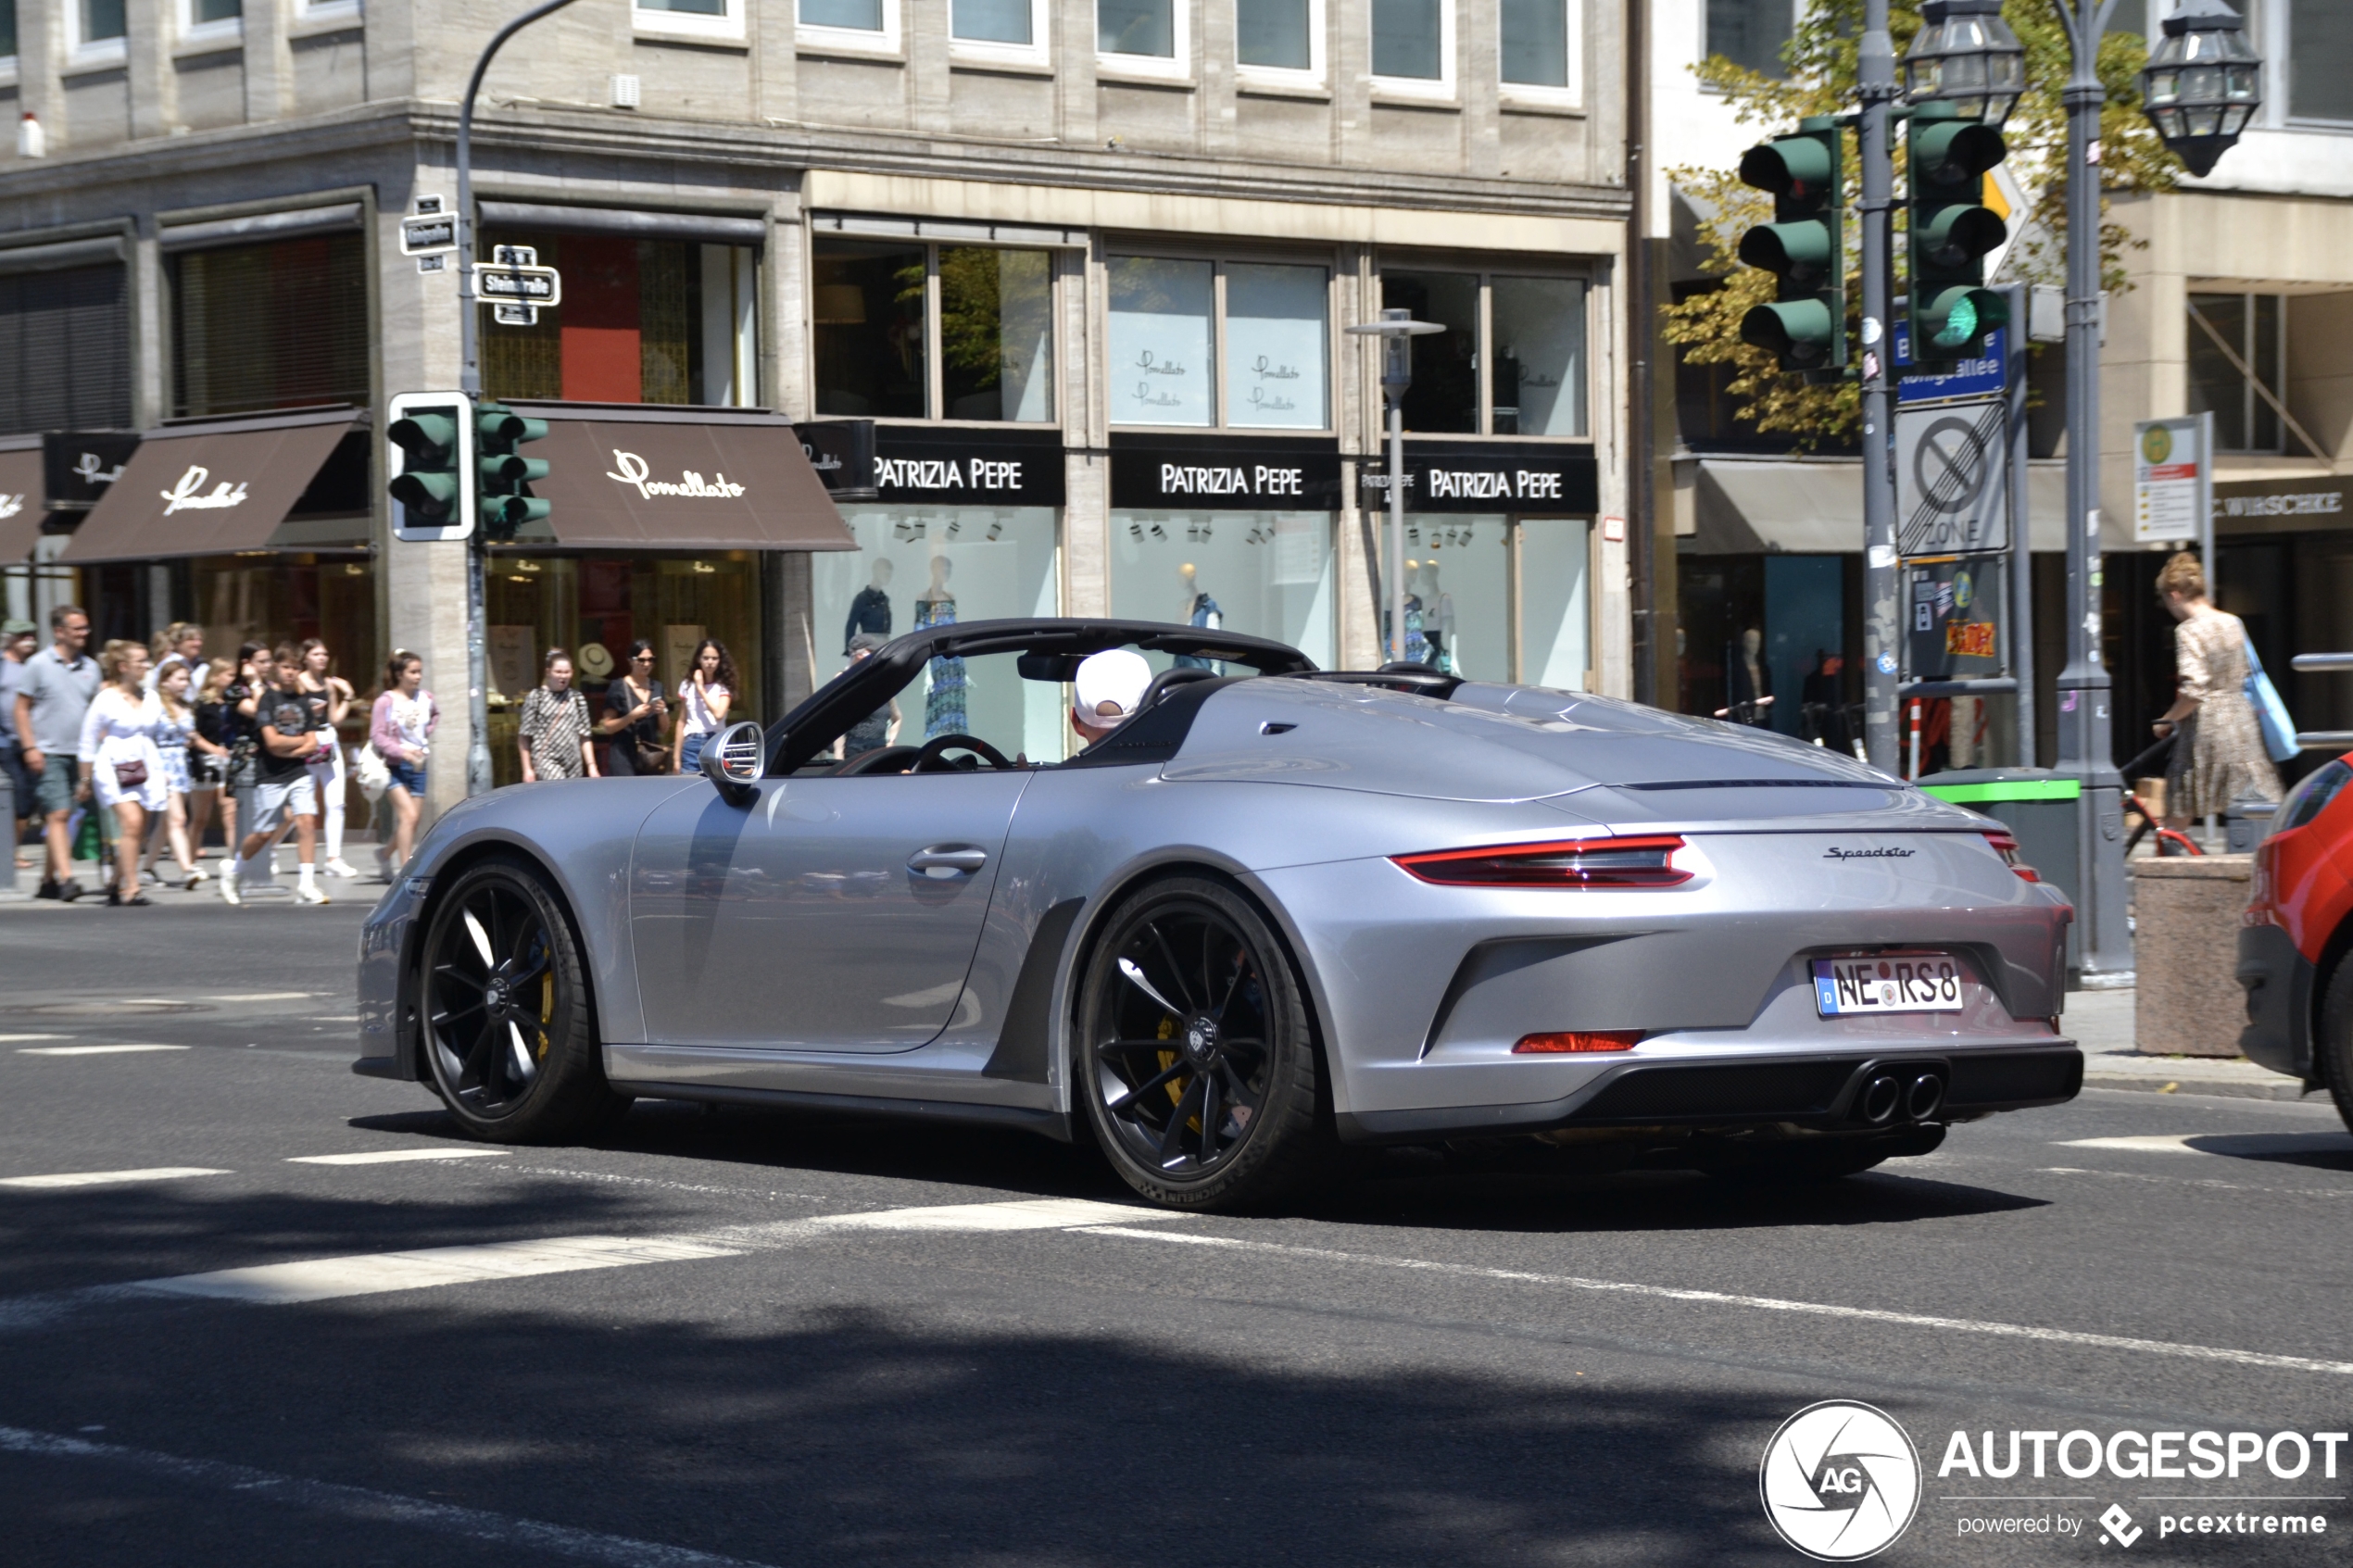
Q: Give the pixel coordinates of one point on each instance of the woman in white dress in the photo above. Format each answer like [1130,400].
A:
[175,732]
[120,760]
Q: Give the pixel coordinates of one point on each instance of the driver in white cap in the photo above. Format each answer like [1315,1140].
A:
[1108,686]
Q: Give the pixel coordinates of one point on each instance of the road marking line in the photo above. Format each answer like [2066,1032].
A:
[93,1050]
[1028,1214]
[15,1039]
[371,1274]
[2152,1142]
[102,1178]
[268,996]
[374,1507]
[391,1156]
[1765,1303]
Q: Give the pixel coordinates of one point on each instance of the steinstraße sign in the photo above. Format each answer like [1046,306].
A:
[1532,477]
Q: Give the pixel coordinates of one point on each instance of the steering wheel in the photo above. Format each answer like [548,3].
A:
[927,759]
[882,759]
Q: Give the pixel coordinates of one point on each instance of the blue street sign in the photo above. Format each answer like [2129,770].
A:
[1969,378]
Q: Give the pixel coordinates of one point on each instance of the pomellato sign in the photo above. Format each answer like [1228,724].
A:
[637,473]
[190,494]
[76,467]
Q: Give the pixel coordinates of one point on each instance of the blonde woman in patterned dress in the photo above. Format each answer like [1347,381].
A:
[2226,758]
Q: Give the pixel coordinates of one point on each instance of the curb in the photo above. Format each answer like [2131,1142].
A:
[2234,1088]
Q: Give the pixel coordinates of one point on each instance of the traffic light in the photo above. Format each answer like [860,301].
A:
[505,471]
[1951,309]
[432,466]
[1804,247]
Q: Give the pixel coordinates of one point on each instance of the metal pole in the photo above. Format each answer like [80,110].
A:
[1879,628]
[2022,525]
[2207,560]
[2086,750]
[1641,539]
[469,382]
[1396,525]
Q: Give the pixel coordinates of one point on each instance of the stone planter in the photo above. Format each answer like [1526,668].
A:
[2185,946]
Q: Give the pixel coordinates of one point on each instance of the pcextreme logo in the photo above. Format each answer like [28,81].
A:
[1841,1481]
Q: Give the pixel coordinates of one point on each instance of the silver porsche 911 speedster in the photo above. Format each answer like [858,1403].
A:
[1274,911]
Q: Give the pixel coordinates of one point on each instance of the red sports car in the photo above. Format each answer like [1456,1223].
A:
[2296,935]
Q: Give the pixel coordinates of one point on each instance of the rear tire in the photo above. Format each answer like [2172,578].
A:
[2333,1047]
[1197,1066]
[509,1035]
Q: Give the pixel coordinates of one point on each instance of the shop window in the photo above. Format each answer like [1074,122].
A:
[283,325]
[65,350]
[1750,33]
[2251,329]
[1413,42]
[2320,76]
[1496,598]
[1147,30]
[1536,43]
[690,18]
[287,598]
[1266,575]
[922,566]
[1279,35]
[879,310]
[1530,333]
[594,606]
[642,321]
[1173,319]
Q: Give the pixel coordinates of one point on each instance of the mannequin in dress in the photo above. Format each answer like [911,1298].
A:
[944,704]
[1747,679]
[1418,648]
[1438,621]
[870,611]
[1200,610]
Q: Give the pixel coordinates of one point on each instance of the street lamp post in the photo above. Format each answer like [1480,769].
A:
[1396,329]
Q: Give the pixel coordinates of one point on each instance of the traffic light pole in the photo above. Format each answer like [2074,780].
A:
[469,382]
[2085,749]
[1881,659]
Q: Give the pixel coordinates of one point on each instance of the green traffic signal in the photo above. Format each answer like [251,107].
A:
[1952,233]
[431,489]
[504,505]
[1804,247]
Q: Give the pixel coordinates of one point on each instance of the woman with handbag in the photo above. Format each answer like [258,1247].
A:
[2225,757]
[208,752]
[175,737]
[554,730]
[634,712]
[331,696]
[119,758]
[398,728]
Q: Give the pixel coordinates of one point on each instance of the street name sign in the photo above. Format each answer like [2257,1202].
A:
[1968,379]
[429,235]
[1952,480]
[539,286]
[2172,481]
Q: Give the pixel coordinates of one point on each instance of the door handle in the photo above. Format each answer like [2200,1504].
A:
[944,861]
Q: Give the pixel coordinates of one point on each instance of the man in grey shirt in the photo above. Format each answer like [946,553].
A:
[53,694]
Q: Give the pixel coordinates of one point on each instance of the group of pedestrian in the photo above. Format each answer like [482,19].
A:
[557,733]
[147,741]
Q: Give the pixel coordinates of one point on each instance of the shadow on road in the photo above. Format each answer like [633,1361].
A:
[2319,1151]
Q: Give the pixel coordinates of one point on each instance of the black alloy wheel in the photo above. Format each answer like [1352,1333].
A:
[508,1036]
[1200,1066]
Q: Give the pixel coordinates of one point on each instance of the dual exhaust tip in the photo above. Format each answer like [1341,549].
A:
[1916,1097]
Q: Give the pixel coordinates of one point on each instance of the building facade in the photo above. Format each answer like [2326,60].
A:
[2239,300]
[1068,280]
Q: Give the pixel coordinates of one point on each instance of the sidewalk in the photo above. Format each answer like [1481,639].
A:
[2101,1022]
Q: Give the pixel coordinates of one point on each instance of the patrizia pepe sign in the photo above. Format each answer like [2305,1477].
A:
[190,494]
[1489,476]
[638,474]
[1224,474]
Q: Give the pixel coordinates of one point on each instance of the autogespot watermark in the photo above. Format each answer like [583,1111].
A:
[1842,1481]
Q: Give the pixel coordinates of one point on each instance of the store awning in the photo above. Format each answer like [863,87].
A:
[210,489]
[20,503]
[634,477]
[1814,506]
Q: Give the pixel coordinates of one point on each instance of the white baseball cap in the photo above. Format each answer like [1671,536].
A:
[1109,685]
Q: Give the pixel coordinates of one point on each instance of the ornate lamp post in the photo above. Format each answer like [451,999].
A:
[2203,82]
[1965,54]
[1396,329]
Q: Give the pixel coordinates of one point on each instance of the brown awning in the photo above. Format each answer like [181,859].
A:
[623,476]
[208,489]
[20,497]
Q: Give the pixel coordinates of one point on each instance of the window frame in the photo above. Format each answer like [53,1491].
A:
[1220,415]
[1177,66]
[1535,93]
[309,13]
[724,29]
[8,62]
[1487,270]
[229,30]
[935,368]
[90,53]
[1038,51]
[1444,87]
[1706,54]
[1319,58]
[2252,406]
[2276,25]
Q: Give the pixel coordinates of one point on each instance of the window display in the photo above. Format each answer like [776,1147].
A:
[1277,354]
[1268,574]
[1490,598]
[1160,341]
[922,566]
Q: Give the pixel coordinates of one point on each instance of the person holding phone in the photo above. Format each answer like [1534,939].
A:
[635,713]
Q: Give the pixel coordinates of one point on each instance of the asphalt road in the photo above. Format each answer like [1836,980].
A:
[791,1340]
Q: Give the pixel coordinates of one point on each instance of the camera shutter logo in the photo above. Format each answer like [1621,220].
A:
[1841,1481]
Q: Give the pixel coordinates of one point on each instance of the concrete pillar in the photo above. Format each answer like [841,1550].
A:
[155,106]
[269,66]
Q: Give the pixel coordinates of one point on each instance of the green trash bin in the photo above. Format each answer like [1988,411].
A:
[2039,808]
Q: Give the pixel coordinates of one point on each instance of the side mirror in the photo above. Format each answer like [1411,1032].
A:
[734,759]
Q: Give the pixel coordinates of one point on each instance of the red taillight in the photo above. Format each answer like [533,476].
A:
[1580,1040]
[1585,862]
[2006,845]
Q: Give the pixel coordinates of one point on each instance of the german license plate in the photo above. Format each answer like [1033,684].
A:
[1900,983]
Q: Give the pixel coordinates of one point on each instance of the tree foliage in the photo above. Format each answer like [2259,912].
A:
[1824,67]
